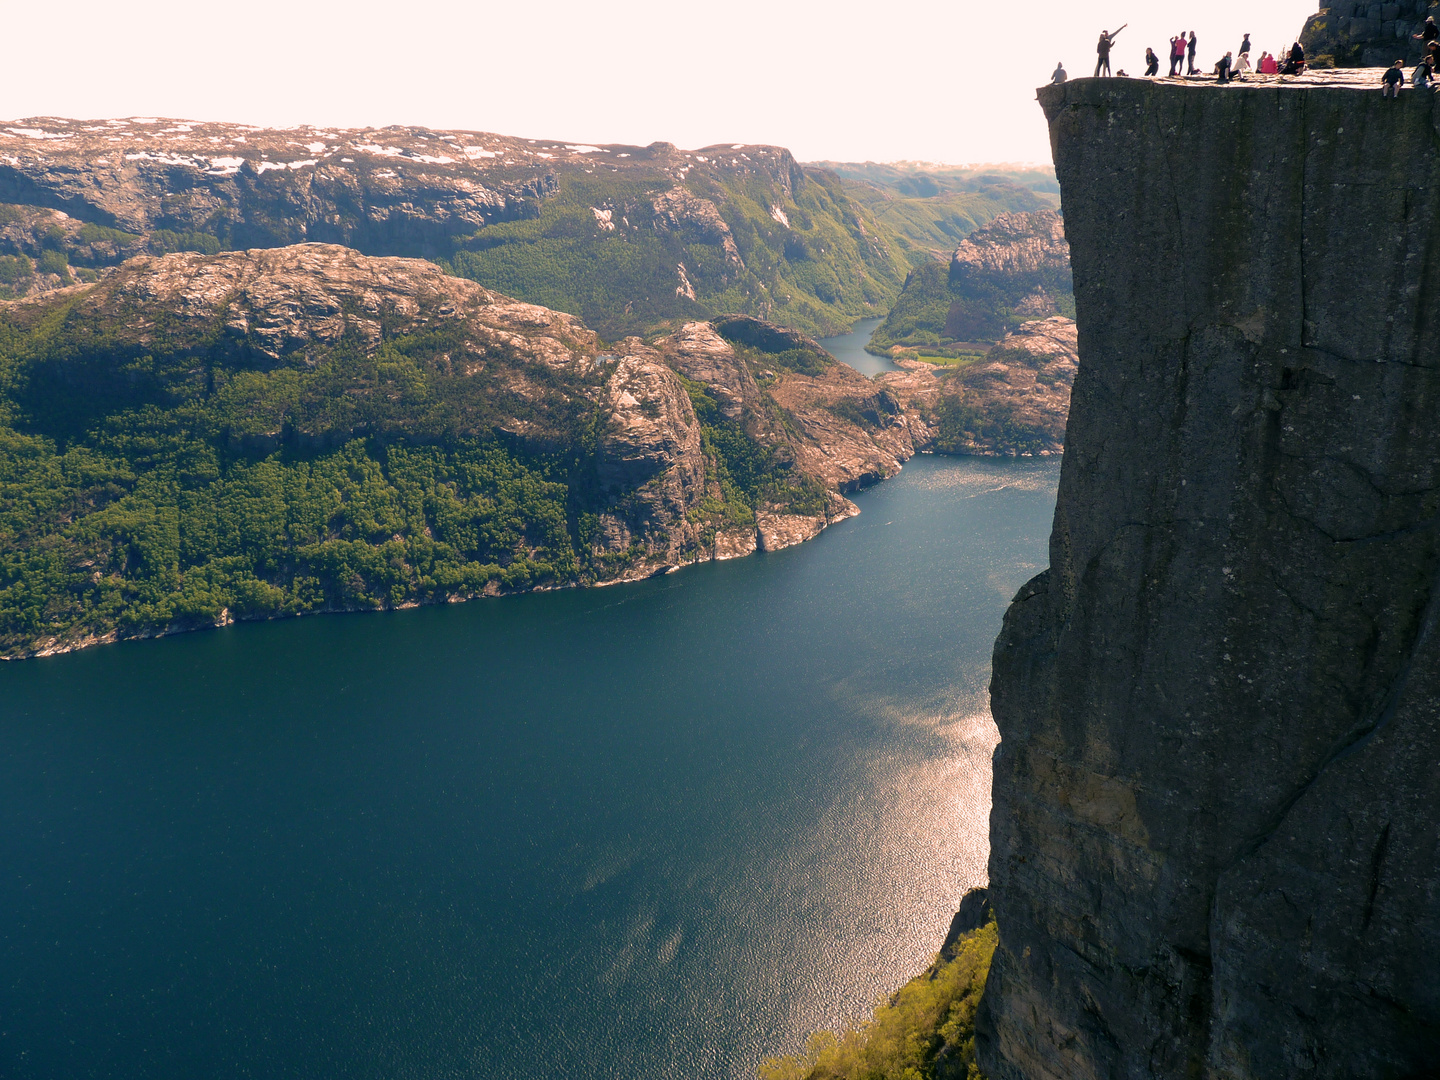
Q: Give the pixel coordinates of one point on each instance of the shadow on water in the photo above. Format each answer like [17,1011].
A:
[657,830]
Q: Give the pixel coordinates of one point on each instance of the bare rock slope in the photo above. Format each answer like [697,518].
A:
[633,238]
[1215,801]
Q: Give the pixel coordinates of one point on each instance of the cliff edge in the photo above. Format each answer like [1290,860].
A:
[1214,835]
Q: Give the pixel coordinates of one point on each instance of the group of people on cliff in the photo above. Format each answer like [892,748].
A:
[1230,67]
[1423,77]
[1182,59]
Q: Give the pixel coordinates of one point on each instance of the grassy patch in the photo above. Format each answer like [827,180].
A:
[929,1021]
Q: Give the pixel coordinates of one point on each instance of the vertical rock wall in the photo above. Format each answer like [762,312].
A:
[1216,828]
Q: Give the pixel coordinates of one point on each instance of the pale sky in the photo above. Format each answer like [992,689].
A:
[900,80]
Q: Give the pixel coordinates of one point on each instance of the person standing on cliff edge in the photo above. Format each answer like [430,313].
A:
[1152,62]
[1190,52]
[1103,50]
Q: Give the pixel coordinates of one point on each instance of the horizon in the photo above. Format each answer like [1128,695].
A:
[870,89]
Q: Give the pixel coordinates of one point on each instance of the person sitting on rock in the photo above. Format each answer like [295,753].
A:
[1152,62]
[1242,65]
[1422,76]
[1059,75]
[1392,80]
[1295,65]
[1222,69]
[1102,59]
[1268,65]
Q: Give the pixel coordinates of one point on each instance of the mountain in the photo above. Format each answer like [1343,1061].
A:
[632,239]
[1013,400]
[198,438]
[1014,269]
[934,207]
[1216,801]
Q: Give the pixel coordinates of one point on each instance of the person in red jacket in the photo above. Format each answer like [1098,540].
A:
[1177,53]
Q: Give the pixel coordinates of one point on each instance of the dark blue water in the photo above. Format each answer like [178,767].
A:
[850,349]
[657,830]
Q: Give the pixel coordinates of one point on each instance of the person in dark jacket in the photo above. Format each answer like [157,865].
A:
[1222,69]
[1428,33]
[1190,53]
[1296,64]
[1102,50]
[1245,45]
[1392,80]
[1152,62]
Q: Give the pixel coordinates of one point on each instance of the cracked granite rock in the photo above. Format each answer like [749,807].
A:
[1216,824]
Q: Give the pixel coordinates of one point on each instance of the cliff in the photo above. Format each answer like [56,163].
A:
[196,439]
[1215,798]
[1362,33]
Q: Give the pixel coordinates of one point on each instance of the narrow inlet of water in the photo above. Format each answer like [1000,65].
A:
[657,830]
[850,349]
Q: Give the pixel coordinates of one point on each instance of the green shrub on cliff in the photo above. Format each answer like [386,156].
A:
[54,262]
[925,1031]
[14,268]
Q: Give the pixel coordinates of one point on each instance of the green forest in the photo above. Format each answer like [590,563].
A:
[176,485]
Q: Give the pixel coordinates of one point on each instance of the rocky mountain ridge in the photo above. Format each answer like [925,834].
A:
[633,239]
[386,191]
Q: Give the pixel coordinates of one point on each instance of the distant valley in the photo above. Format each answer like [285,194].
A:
[600,368]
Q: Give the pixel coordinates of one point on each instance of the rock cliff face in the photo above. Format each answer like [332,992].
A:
[1216,800]
[1364,33]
